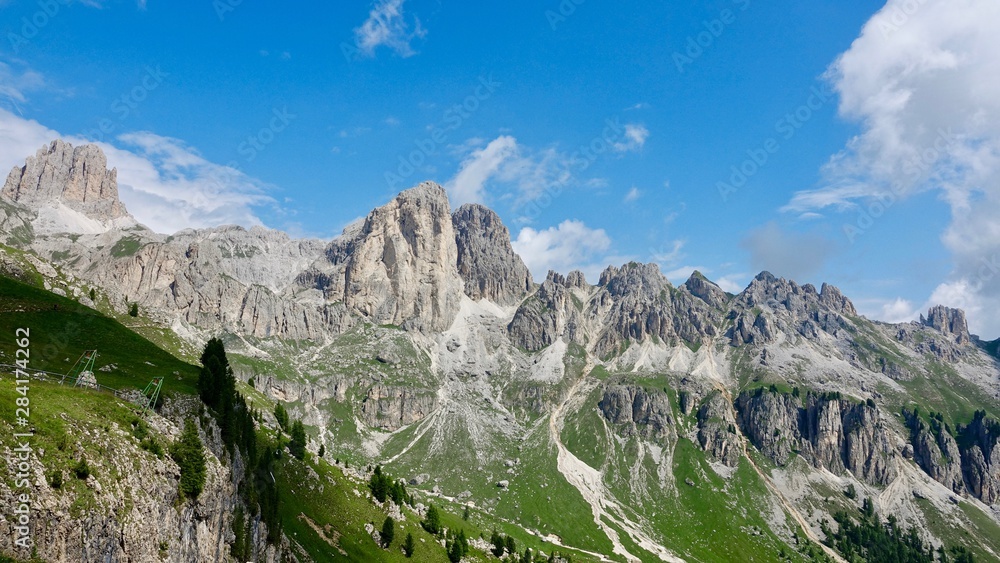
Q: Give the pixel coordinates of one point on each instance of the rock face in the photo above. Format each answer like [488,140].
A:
[717,430]
[486,261]
[390,408]
[936,452]
[770,306]
[638,412]
[948,321]
[401,266]
[981,457]
[77,177]
[636,302]
[545,316]
[828,432]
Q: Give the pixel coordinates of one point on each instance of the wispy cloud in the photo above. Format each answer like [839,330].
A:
[469,184]
[387,25]
[635,138]
[633,194]
[163,182]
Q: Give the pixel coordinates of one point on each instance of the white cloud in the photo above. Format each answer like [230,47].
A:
[386,25]
[635,138]
[923,81]
[678,276]
[165,184]
[632,194]
[569,246]
[469,184]
[15,83]
[732,283]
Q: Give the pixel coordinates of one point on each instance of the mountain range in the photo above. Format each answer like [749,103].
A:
[625,418]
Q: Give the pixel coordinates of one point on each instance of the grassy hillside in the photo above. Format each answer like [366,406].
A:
[61,330]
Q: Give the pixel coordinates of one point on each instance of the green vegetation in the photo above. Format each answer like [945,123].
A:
[388,532]
[297,446]
[133,310]
[281,416]
[868,539]
[189,453]
[126,246]
[61,329]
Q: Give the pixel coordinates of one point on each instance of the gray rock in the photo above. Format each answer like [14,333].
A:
[486,261]
[717,430]
[77,177]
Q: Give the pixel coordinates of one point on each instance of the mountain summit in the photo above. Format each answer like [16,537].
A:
[69,187]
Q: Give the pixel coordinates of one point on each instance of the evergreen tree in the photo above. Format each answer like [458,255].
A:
[189,454]
[497,541]
[133,310]
[281,416]
[510,545]
[388,531]
[454,550]
[432,522]
[408,545]
[298,444]
[322,450]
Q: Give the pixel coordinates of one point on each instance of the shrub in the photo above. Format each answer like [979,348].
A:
[56,479]
[81,469]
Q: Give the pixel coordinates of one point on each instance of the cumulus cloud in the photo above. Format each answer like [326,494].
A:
[923,81]
[794,256]
[164,183]
[387,25]
[571,245]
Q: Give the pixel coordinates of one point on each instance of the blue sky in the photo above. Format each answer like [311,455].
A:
[730,135]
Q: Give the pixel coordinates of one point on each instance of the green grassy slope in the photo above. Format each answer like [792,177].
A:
[61,330]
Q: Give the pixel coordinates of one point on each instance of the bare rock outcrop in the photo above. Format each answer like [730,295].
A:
[74,176]
[636,302]
[391,407]
[827,431]
[717,430]
[486,261]
[400,266]
[638,412]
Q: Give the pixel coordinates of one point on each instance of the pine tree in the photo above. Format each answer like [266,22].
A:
[189,454]
[322,450]
[298,444]
[454,552]
[388,531]
[133,310]
[281,416]
[408,545]
[432,522]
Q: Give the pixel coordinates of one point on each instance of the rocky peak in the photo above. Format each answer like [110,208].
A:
[702,288]
[948,321]
[77,177]
[576,280]
[401,265]
[835,300]
[633,278]
[486,261]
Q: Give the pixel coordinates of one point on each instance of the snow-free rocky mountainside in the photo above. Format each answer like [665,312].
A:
[629,418]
